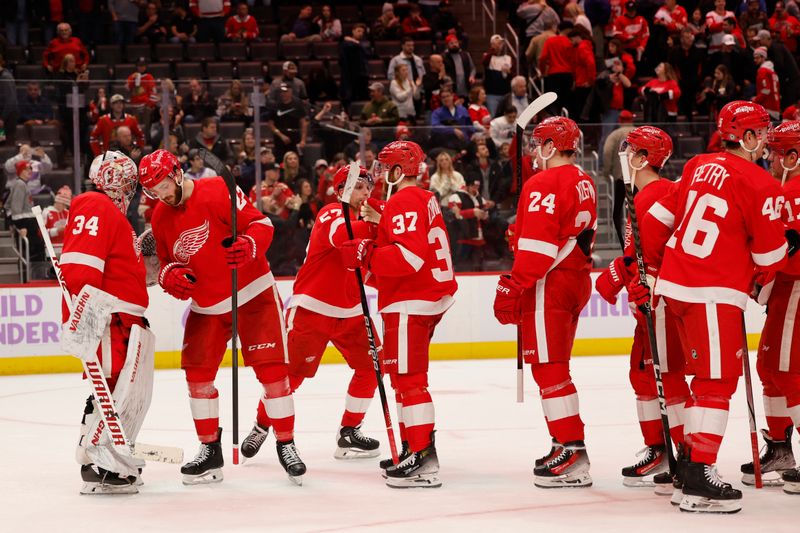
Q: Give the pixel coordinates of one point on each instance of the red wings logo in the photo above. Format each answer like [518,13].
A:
[189,242]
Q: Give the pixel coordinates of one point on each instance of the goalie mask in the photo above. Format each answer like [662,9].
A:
[115,174]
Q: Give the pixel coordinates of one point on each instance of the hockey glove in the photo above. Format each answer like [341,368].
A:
[240,252]
[507,301]
[356,253]
[177,280]
[793,240]
[762,287]
[372,209]
[511,237]
[618,274]
[638,294]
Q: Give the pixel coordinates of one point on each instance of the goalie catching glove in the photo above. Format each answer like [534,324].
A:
[619,273]
[356,253]
[177,280]
[239,252]
[507,301]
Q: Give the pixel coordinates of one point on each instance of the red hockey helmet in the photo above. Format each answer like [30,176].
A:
[115,174]
[155,168]
[784,138]
[340,177]
[739,116]
[561,130]
[656,142]
[408,155]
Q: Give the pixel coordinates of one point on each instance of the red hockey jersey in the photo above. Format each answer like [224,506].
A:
[714,28]
[768,89]
[674,21]
[791,217]
[192,234]
[143,89]
[100,250]
[241,30]
[632,31]
[653,242]
[106,130]
[56,221]
[323,284]
[555,206]
[727,220]
[412,261]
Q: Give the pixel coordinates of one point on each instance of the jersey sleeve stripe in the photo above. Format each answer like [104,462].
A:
[78,258]
[662,214]
[334,226]
[769,258]
[411,258]
[266,221]
[534,245]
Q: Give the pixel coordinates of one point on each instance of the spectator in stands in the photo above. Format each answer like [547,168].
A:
[15,15]
[697,23]
[289,77]
[732,57]
[107,125]
[632,30]
[785,67]
[405,92]
[720,91]
[353,148]
[241,27]
[246,160]
[379,111]
[287,119]
[478,112]
[495,184]
[537,16]
[557,65]
[142,85]
[210,15]
[753,17]
[353,53]
[306,205]
[99,105]
[197,169]
[518,97]
[196,105]
[459,66]
[62,45]
[613,170]
[304,29]
[387,27]
[321,174]
[407,56]
[38,161]
[151,28]
[322,85]
[330,27]
[688,60]
[8,104]
[471,213]
[125,15]
[672,17]
[274,194]
[503,127]
[291,169]
[446,180]
[451,124]
[234,104]
[175,128]
[784,26]
[415,25]
[18,205]
[767,85]
[56,216]
[124,143]
[730,27]
[585,70]
[663,93]
[608,97]
[325,192]
[34,108]
[209,139]
[534,50]
[714,21]
[574,13]
[183,28]
[432,81]
[498,69]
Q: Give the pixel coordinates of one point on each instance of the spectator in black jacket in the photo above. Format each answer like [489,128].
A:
[688,60]
[459,66]
[498,70]
[785,67]
[353,53]
[209,139]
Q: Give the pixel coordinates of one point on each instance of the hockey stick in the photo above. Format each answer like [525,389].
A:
[533,109]
[647,310]
[102,393]
[350,184]
[751,411]
[214,163]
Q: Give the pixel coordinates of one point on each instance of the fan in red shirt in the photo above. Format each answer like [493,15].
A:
[55,216]
[274,194]
[105,130]
[714,20]
[767,84]
[557,62]
[61,46]
[192,228]
[632,30]
[785,26]
[241,26]
[412,267]
[724,219]
[142,85]
[672,16]
[548,287]
[665,86]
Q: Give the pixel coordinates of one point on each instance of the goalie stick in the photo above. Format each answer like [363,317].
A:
[751,411]
[350,184]
[533,109]
[647,310]
[102,393]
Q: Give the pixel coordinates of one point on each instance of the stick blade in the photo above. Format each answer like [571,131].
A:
[536,107]
[350,184]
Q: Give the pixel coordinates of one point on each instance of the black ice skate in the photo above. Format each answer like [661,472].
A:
[207,466]
[97,480]
[352,444]
[253,441]
[290,461]
[417,470]
[642,474]
[388,463]
[778,457]
[705,492]
[791,481]
[555,449]
[570,468]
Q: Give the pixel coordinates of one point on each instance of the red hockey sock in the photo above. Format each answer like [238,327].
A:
[398,402]
[359,395]
[418,413]
[559,401]
[676,391]
[204,402]
[707,417]
[277,402]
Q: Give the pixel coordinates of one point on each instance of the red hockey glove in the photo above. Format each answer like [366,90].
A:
[762,287]
[356,253]
[511,237]
[638,294]
[240,252]
[177,280]
[618,274]
[507,297]
[372,210]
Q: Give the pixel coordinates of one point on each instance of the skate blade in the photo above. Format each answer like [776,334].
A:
[699,504]
[664,490]
[563,482]
[139,482]
[212,476]
[423,481]
[791,488]
[355,453]
[677,497]
[769,479]
[104,489]
[636,482]
[297,480]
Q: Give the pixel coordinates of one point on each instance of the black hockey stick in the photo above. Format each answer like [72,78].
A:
[214,163]
[751,411]
[647,310]
[352,178]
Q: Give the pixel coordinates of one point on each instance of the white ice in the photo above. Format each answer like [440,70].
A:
[487,444]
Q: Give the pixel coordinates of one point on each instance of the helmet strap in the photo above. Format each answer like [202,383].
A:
[543,158]
[787,170]
[754,150]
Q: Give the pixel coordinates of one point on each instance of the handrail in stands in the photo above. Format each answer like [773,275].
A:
[21,247]
[514,50]
[490,8]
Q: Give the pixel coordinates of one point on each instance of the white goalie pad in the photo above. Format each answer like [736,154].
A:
[91,313]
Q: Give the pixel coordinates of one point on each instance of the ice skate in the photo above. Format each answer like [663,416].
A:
[388,463]
[642,474]
[777,458]
[207,466]
[705,492]
[253,441]
[570,468]
[290,461]
[97,480]
[791,481]
[352,444]
[555,449]
[417,470]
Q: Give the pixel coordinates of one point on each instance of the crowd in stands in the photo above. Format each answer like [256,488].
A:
[183,74]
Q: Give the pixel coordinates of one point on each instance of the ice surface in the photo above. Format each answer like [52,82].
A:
[487,444]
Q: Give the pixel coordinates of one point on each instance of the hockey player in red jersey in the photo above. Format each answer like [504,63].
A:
[325,306]
[548,287]
[192,229]
[779,352]
[100,250]
[724,226]
[412,266]
[648,149]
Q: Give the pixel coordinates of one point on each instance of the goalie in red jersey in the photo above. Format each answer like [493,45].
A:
[192,228]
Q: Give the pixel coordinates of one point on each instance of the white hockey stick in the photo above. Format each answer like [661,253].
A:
[533,109]
[102,393]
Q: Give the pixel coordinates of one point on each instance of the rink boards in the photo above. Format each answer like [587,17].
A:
[30,319]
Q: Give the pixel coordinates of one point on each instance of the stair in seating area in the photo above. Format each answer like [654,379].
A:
[9,262]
